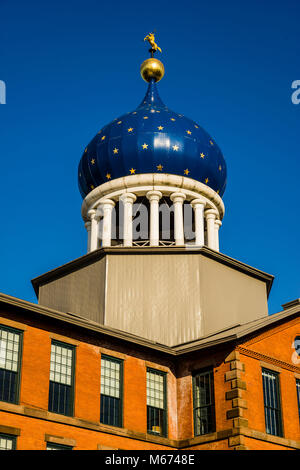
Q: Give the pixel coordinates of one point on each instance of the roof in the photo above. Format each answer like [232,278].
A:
[231,334]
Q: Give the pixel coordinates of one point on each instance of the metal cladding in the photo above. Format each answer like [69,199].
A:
[152,139]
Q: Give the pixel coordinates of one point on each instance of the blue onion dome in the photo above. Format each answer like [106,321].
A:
[152,139]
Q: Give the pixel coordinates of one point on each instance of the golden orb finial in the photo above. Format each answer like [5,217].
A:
[152,69]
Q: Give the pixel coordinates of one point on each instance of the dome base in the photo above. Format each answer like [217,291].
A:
[153,210]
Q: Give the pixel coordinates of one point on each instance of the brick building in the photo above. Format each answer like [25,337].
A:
[150,340]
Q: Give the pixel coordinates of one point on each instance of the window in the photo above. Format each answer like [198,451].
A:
[298,394]
[272,402]
[52,446]
[111,391]
[204,403]
[156,402]
[61,388]
[7,442]
[10,353]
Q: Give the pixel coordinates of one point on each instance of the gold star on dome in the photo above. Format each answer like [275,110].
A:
[134,112]
[172,119]
[145,146]
[189,132]
[197,127]
[175,147]
[115,150]
[132,171]
[130,129]
[119,122]
[159,167]
[103,137]
[145,117]
[160,128]
[186,172]
[206,180]
[218,191]
[158,111]
[211,142]
[108,176]
[85,150]
[152,111]
[93,161]
[220,168]
[202,155]
[92,186]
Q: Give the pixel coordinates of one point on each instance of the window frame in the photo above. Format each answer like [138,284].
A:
[13,439]
[197,373]
[279,410]
[72,386]
[121,398]
[20,356]
[164,374]
[298,395]
[58,446]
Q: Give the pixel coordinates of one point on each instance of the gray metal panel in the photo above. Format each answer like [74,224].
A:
[155,296]
[178,298]
[229,296]
[80,292]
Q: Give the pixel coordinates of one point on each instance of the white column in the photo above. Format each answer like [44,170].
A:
[127,199]
[107,206]
[218,224]
[154,197]
[210,216]
[94,230]
[198,206]
[88,229]
[177,199]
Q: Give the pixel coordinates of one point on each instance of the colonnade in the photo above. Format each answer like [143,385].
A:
[201,215]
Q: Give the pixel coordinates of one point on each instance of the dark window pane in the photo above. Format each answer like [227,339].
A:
[272,402]
[8,385]
[204,409]
[155,420]
[110,410]
[60,399]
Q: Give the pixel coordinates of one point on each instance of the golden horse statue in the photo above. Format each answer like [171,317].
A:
[151,39]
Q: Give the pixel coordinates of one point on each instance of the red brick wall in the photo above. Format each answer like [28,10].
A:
[273,346]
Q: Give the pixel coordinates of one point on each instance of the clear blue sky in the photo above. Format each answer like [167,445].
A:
[72,66]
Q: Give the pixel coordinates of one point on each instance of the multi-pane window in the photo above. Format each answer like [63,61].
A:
[52,446]
[156,402]
[111,391]
[298,394]
[7,442]
[204,403]
[61,378]
[272,402]
[10,345]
